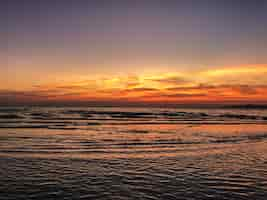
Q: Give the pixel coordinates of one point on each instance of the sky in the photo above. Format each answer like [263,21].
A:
[129,52]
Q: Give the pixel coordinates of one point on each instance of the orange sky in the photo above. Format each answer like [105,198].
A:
[117,52]
[241,84]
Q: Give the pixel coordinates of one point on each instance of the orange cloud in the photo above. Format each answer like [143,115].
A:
[233,84]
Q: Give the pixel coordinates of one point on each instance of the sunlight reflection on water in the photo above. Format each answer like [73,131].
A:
[133,161]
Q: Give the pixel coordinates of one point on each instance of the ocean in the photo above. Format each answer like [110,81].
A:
[132,153]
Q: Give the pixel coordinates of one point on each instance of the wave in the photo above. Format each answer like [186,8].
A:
[78,118]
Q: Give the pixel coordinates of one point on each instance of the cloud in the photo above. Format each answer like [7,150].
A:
[254,74]
[141,89]
[181,95]
[223,89]
[213,85]
[174,80]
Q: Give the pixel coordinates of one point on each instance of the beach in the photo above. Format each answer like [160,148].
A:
[132,153]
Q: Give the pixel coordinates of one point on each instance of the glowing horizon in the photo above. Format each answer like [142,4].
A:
[180,52]
[221,85]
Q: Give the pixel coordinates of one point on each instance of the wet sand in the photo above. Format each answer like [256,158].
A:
[138,154]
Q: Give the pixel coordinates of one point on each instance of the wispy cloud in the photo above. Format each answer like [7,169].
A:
[239,83]
[172,80]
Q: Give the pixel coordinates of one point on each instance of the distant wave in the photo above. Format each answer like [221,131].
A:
[70,118]
[247,106]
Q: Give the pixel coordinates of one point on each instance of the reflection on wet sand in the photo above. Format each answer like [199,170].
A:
[113,159]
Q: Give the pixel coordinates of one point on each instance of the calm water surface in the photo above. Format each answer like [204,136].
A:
[132,153]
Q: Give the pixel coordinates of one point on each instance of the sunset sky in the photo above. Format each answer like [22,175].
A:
[130,52]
